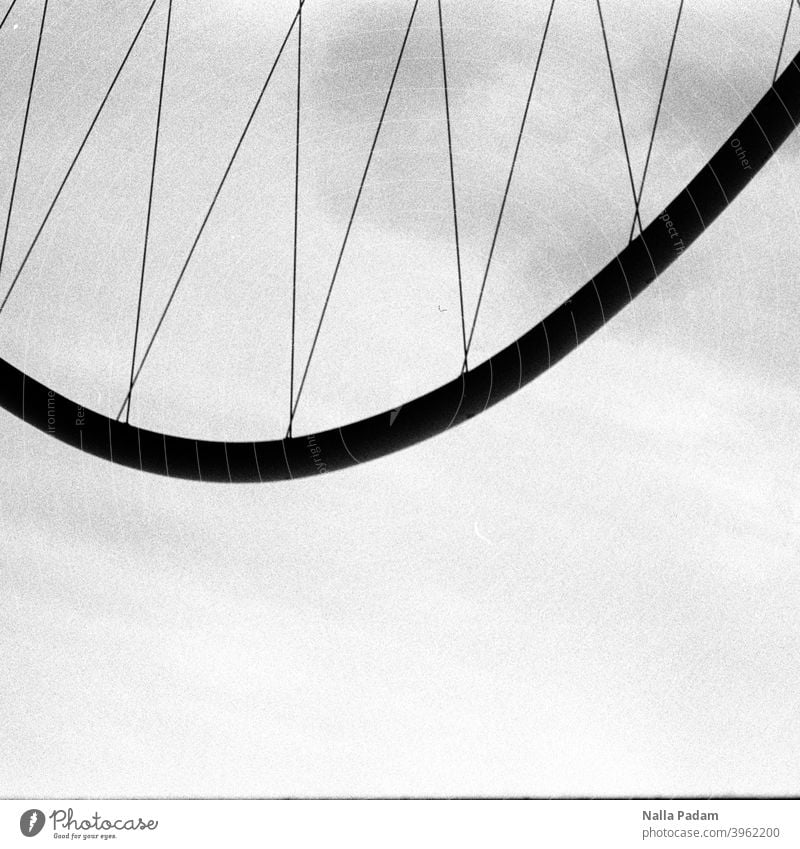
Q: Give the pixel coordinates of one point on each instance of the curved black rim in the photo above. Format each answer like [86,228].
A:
[693,210]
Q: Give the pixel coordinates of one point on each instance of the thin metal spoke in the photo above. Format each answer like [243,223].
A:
[75,159]
[210,209]
[296,207]
[452,181]
[619,116]
[353,215]
[8,12]
[655,122]
[509,180]
[783,40]
[22,138]
[149,205]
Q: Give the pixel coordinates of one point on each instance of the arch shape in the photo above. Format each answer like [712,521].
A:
[691,212]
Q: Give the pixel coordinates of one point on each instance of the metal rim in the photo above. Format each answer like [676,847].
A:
[693,210]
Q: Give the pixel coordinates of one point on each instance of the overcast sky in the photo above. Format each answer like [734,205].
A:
[590,589]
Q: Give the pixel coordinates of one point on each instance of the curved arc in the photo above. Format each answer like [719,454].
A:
[628,274]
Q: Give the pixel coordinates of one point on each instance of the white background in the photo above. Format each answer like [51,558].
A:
[591,589]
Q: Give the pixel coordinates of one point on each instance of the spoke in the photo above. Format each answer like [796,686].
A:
[8,12]
[452,181]
[510,178]
[619,116]
[22,138]
[783,40]
[75,159]
[207,216]
[655,122]
[353,214]
[296,206]
[149,206]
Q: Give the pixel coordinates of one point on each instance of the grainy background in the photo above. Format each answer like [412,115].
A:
[589,590]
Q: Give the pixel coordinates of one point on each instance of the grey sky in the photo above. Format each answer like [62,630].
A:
[589,589]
